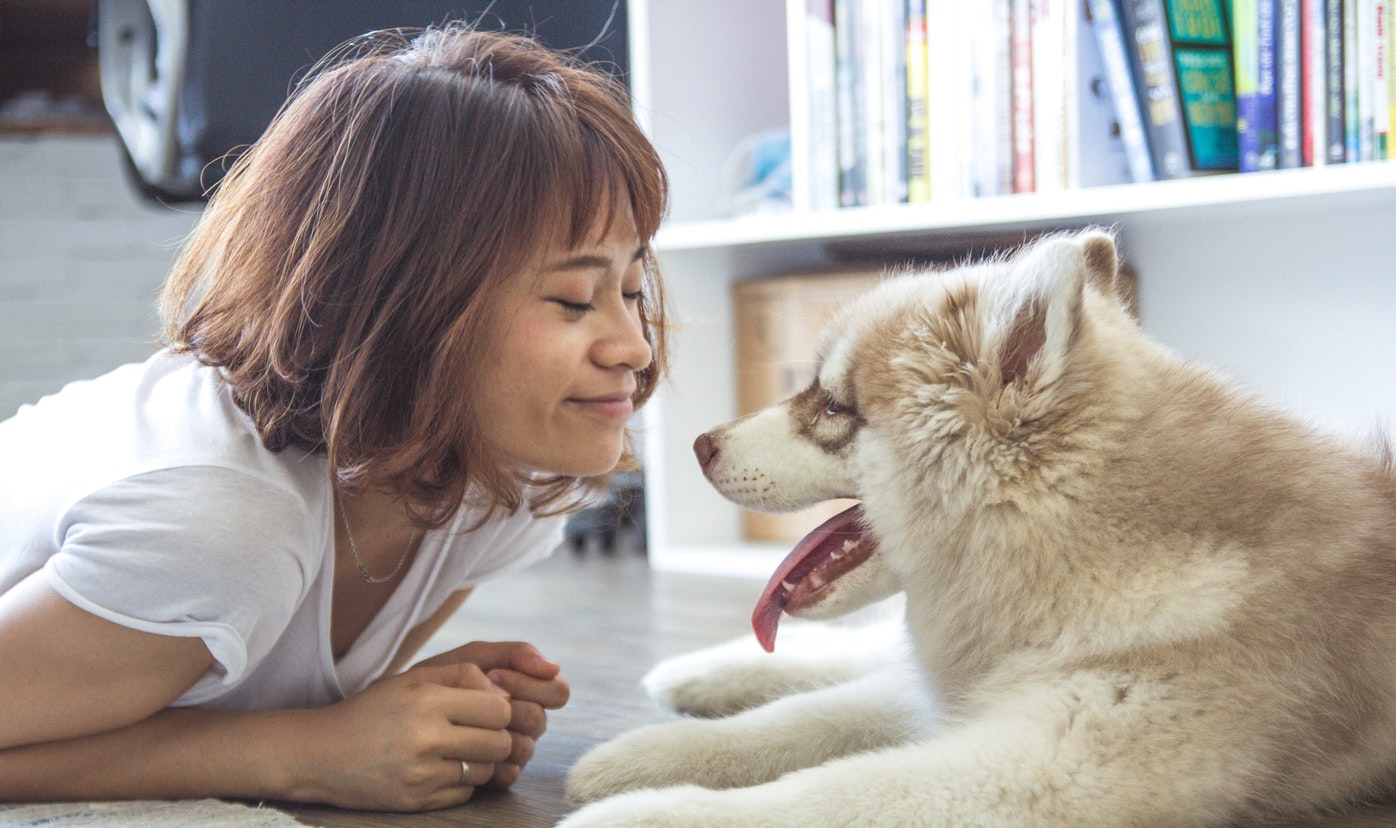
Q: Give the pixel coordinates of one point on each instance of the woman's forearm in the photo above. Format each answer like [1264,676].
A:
[174,754]
[400,745]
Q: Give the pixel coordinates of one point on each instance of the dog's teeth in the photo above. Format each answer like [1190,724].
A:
[834,556]
[850,545]
[789,587]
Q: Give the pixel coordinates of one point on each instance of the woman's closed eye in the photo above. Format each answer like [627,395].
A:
[573,307]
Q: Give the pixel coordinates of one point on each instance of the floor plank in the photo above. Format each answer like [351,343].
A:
[607,620]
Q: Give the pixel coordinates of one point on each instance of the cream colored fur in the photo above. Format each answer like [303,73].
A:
[1133,595]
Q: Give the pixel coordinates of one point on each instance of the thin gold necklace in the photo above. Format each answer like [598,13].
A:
[354,549]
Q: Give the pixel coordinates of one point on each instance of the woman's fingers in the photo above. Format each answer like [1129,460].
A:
[550,693]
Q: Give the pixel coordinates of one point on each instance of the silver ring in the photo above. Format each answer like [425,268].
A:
[464,774]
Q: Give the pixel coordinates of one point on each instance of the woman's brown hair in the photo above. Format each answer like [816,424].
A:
[342,272]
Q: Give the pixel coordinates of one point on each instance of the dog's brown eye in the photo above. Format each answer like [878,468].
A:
[833,409]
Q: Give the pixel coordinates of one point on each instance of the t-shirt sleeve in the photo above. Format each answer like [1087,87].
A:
[203,552]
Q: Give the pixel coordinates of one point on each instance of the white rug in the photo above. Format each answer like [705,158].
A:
[204,813]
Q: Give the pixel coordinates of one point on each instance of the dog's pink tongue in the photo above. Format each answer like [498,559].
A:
[812,550]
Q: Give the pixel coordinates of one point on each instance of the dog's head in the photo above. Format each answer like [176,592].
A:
[938,397]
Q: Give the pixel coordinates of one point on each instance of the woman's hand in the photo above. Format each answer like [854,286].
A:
[398,745]
[534,687]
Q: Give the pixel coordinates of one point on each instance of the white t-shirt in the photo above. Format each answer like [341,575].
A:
[147,498]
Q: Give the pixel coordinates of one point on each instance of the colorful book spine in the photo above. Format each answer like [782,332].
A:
[1313,82]
[1288,86]
[1181,55]
[891,34]
[1096,153]
[991,98]
[1110,37]
[1389,27]
[1335,91]
[918,136]
[1246,51]
[1351,81]
[1266,108]
[1151,62]
[821,114]
[1023,139]
[1049,94]
[1381,79]
[853,190]
[1366,77]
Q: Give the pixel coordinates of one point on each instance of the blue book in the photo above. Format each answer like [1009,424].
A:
[1115,62]
[1267,77]
[1247,58]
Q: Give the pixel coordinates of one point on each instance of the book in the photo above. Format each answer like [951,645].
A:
[1314,80]
[1246,57]
[1288,84]
[994,90]
[918,126]
[1381,79]
[1181,56]
[1351,114]
[1266,107]
[814,150]
[950,100]
[1110,39]
[1366,78]
[1388,24]
[871,36]
[892,32]
[1020,34]
[1096,153]
[851,153]
[1049,59]
[1335,89]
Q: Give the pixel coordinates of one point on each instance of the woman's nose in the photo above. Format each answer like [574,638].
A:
[623,344]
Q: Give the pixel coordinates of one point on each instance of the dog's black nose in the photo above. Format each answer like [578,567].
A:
[706,449]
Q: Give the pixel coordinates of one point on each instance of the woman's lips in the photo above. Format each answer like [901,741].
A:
[612,407]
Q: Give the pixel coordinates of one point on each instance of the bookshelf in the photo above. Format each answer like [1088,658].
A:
[1284,279]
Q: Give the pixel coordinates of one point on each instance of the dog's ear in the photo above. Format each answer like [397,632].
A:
[1102,262]
[1040,304]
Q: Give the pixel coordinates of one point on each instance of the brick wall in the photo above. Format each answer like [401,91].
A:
[81,261]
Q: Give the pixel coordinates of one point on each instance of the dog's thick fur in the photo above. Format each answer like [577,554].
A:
[1133,595]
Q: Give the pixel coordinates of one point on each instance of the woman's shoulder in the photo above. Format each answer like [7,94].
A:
[168,419]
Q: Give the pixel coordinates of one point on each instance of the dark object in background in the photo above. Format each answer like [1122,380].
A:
[615,523]
[187,82]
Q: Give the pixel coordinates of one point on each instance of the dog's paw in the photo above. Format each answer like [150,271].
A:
[684,752]
[661,808]
[730,678]
[715,682]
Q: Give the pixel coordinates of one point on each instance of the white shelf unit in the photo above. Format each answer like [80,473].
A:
[1283,279]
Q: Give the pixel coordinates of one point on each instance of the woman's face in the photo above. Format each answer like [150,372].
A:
[566,342]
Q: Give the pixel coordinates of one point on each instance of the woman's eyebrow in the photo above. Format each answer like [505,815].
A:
[595,261]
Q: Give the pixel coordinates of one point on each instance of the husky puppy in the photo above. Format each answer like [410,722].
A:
[1134,596]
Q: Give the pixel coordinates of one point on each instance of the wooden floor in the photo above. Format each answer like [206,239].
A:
[607,620]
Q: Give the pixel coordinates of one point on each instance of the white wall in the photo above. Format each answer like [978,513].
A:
[1296,299]
[81,261]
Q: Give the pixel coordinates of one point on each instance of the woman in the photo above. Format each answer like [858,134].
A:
[402,343]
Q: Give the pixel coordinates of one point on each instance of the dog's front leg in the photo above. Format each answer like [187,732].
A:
[886,708]
[739,675]
[1087,752]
